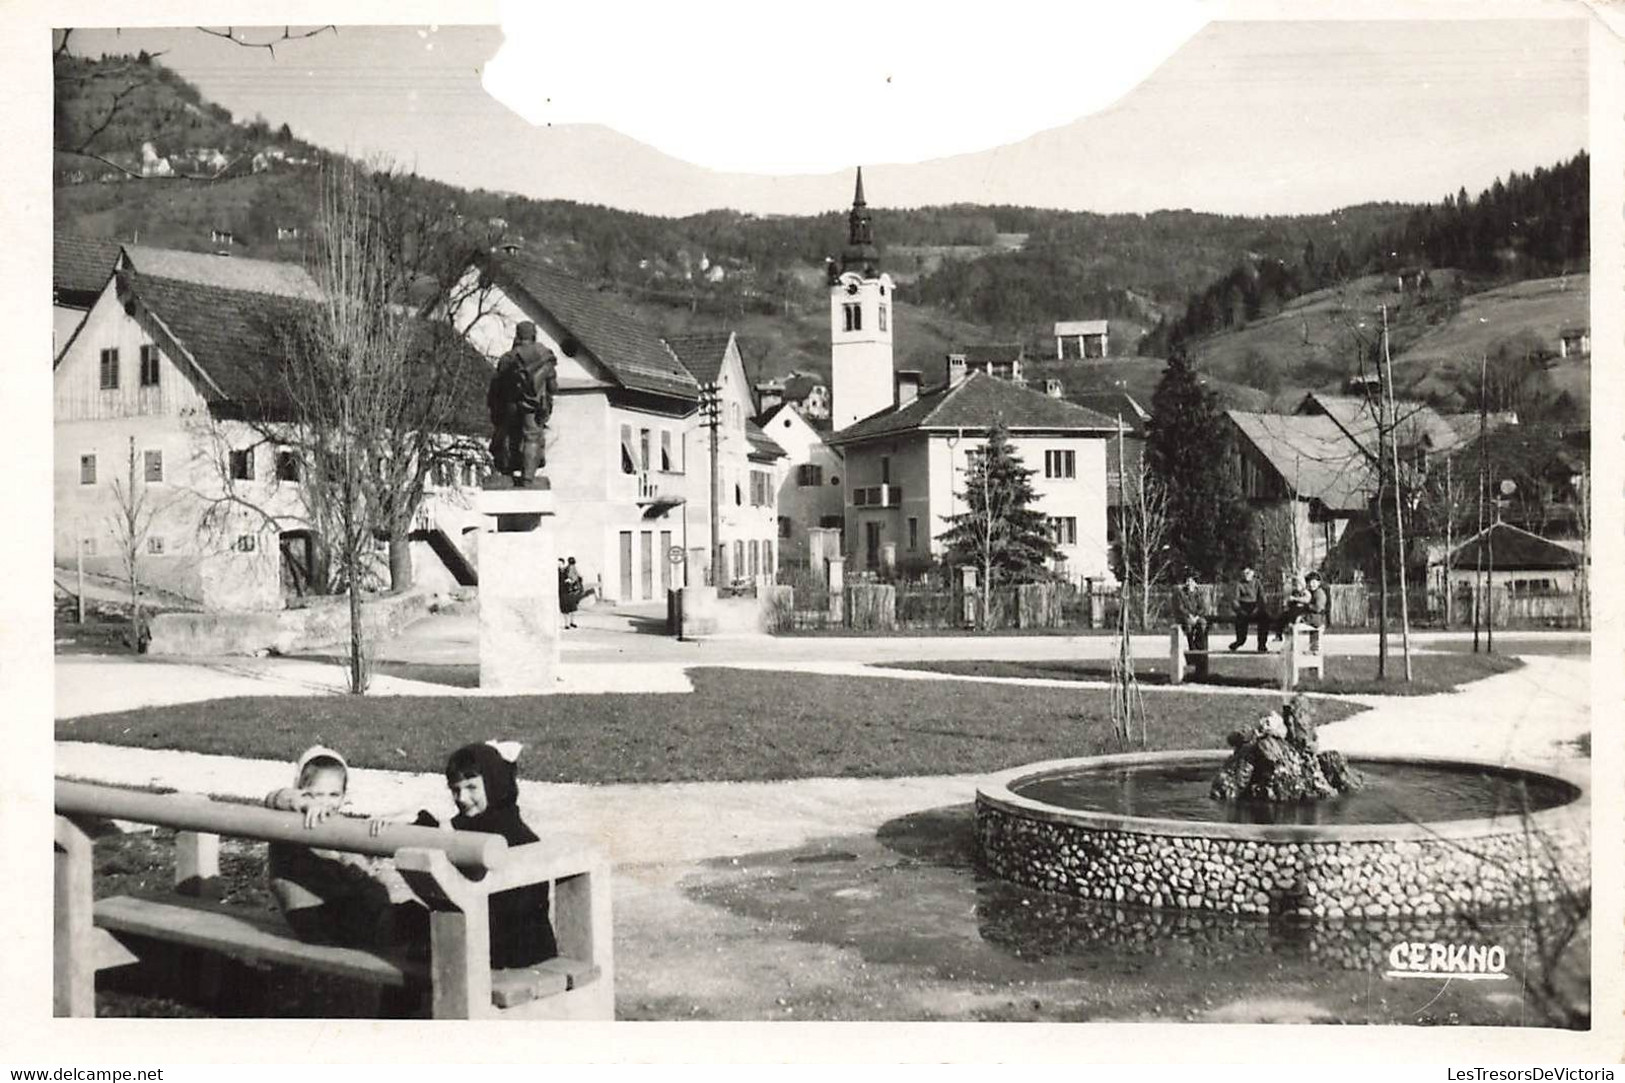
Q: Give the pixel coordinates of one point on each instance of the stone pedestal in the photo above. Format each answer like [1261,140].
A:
[692,611]
[519,591]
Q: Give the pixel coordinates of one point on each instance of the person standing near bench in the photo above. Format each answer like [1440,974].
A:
[1250,611]
[1189,614]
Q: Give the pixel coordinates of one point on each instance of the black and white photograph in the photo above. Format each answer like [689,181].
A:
[1034,520]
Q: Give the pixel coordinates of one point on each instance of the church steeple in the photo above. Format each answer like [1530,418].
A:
[861,254]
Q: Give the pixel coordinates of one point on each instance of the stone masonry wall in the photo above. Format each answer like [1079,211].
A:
[1503,869]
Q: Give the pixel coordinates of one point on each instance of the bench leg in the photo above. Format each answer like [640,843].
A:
[581,920]
[73,944]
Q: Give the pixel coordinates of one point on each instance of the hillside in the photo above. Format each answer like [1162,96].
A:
[1320,339]
[967,274]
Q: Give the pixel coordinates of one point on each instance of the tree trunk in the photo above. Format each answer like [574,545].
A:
[358,662]
[400,561]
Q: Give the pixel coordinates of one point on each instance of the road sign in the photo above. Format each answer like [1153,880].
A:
[674,555]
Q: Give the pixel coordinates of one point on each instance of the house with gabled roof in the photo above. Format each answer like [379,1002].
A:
[1306,467]
[810,495]
[628,448]
[748,462]
[170,377]
[1513,559]
[905,469]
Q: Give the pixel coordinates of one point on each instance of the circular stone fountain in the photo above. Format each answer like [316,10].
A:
[1422,837]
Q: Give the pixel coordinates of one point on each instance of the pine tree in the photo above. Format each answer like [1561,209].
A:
[1188,450]
[999,532]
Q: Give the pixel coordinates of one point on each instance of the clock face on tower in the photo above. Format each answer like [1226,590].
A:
[851,287]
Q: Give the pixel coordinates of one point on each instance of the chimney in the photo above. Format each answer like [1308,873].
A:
[769,395]
[956,369]
[1052,388]
[908,386]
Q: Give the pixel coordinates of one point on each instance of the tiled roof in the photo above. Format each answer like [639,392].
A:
[799,386]
[1513,548]
[1313,457]
[977,402]
[761,444]
[1466,425]
[614,335]
[702,354]
[226,272]
[235,337]
[81,266]
[1357,417]
[1115,404]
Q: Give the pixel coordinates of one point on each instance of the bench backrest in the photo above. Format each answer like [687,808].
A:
[470,851]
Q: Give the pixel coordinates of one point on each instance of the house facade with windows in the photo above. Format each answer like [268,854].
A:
[748,463]
[906,471]
[810,493]
[150,400]
[628,446]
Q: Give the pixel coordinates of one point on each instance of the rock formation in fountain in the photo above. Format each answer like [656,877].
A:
[1278,759]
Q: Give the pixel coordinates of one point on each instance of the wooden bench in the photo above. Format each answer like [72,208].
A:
[1302,652]
[454,873]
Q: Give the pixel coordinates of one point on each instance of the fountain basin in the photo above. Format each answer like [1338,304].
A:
[1459,862]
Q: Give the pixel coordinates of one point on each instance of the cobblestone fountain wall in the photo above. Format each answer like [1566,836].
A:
[1389,870]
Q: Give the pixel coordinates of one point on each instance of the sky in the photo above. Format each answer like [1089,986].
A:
[1131,113]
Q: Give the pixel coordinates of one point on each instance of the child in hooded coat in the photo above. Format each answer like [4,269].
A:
[485,786]
[334,896]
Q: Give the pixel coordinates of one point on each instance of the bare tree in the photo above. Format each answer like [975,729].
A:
[1145,528]
[132,527]
[369,400]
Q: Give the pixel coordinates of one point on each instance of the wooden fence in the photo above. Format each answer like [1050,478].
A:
[927,605]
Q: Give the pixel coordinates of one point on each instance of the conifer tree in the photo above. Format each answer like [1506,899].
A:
[1188,450]
[999,532]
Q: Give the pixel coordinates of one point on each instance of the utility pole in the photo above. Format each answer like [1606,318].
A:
[1449,536]
[1483,453]
[711,409]
[1399,514]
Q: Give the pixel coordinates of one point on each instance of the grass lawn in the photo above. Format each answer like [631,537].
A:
[736,725]
[1349,673]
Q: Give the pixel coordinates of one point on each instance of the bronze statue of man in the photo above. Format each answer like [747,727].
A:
[520,399]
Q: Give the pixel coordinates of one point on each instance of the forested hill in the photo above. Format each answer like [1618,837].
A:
[1530,225]
[966,273]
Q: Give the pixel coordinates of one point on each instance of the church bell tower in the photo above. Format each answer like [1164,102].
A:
[860,328]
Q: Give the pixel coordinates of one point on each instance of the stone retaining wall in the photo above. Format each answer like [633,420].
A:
[1391,870]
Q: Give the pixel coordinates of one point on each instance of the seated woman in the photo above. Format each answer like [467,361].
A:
[1307,604]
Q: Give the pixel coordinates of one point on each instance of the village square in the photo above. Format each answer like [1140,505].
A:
[466,611]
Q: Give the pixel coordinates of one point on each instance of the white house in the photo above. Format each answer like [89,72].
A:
[810,493]
[163,379]
[905,470]
[628,448]
[748,463]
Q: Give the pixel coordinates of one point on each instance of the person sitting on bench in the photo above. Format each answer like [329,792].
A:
[1250,610]
[1189,615]
[331,896]
[1307,604]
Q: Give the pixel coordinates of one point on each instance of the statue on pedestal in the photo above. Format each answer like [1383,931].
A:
[520,399]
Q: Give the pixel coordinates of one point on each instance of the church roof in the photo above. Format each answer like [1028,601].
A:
[976,404]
